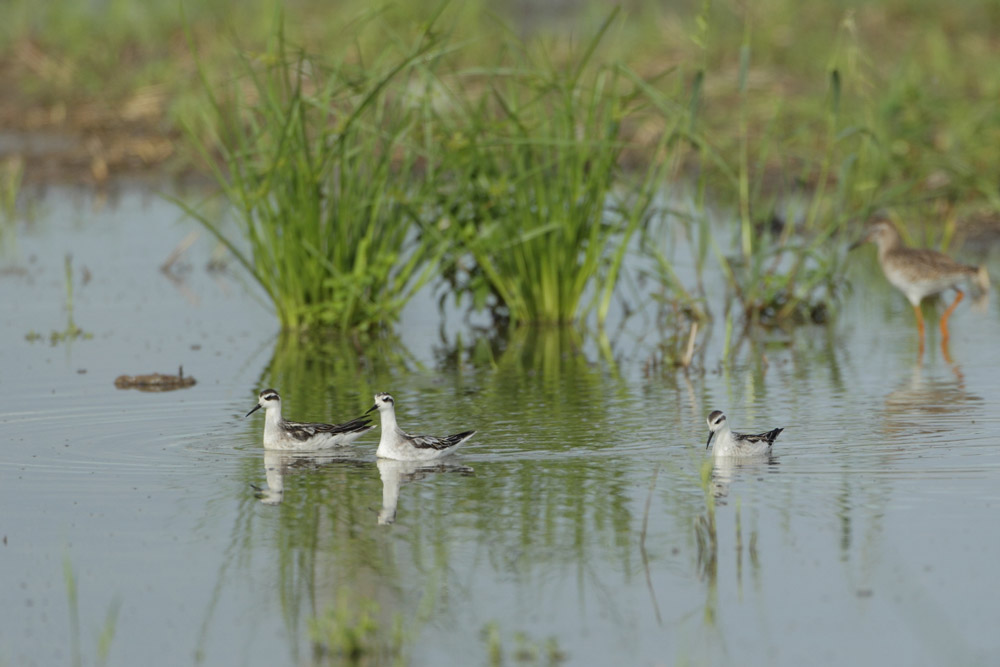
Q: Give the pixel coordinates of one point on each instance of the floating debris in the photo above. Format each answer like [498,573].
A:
[155,381]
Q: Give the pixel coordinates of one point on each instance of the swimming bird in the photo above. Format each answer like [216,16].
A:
[728,443]
[288,435]
[396,444]
[919,273]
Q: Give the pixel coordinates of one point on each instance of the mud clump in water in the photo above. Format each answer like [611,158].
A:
[155,381]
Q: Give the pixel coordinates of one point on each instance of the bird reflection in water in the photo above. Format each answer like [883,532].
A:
[278,463]
[927,403]
[396,473]
[726,469]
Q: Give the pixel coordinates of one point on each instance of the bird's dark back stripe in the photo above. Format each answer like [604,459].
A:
[432,442]
[305,430]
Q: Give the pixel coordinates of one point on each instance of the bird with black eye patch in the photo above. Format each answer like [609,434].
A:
[287,435]
[729,443]
[395,443]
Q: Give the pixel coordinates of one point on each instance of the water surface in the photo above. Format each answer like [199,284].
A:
[583,524]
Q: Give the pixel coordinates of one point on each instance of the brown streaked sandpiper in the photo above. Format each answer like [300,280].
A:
[919,273]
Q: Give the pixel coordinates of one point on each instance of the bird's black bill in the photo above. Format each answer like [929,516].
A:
[709,442]
[255,409]
[371,409]
[857,244]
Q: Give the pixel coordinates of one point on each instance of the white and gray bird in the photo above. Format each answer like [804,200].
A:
[304,436]
[395,443]
[729,443]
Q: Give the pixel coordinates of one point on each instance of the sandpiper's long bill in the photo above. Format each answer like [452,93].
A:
[729,443]
[920,273]
[288,435]
[395,443]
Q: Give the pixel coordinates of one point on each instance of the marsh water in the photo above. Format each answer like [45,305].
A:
[584,523]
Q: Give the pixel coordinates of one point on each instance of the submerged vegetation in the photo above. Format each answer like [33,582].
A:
[72,331]
[351,632]
[526,651]
[519,161]
[107,631]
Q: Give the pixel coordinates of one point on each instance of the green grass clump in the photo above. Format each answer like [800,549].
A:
[535,193]
[349,180]
[320,171]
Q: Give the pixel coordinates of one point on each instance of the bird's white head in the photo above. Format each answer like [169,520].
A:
[716,421]
[268,399]
[881,232]
[383,402]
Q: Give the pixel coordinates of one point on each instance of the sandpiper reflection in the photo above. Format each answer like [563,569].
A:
[927,403]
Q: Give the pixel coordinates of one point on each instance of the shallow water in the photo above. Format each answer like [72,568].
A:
[870,536]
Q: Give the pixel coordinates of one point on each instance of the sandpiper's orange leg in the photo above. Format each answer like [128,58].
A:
[947,314]
[947,357]
[920,325]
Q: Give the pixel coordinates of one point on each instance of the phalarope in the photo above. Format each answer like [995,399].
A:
[919,273]
[728,443]
[396,444]
[288,435]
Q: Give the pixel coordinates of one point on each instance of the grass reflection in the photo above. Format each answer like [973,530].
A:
[354,590]
[340,371]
